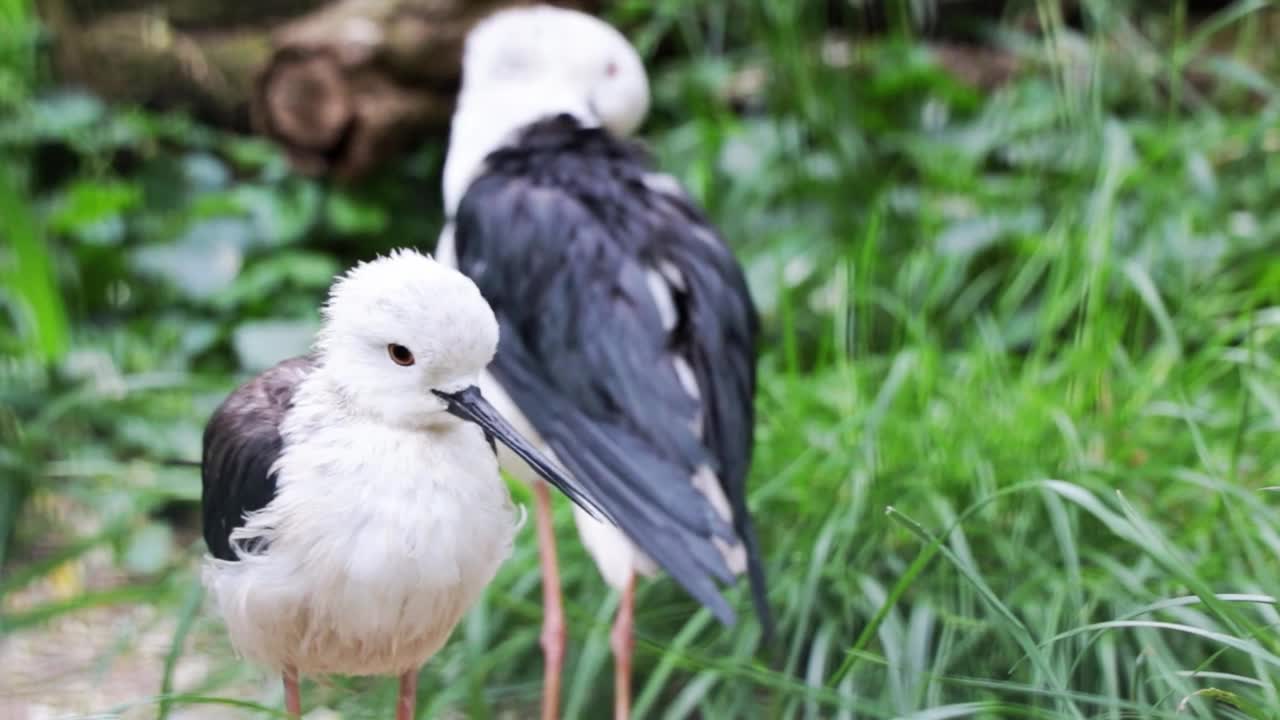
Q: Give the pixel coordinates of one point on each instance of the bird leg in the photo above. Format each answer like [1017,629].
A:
[292,696]
[407,703]
[552,608]
[622,641]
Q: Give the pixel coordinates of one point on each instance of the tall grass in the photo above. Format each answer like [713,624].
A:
[1018,418]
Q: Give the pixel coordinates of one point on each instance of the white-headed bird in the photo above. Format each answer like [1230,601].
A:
[351,515]
[628,331]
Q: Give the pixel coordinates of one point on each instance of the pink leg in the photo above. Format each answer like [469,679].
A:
[622,641]
[292,696]
[552,608]
[407,704]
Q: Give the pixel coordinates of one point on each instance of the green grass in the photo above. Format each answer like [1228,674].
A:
[1019,411]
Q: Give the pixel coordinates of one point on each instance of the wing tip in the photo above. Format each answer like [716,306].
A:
[722,612]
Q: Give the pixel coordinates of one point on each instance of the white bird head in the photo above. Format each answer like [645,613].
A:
[397,328]
[405,339]
[526,63]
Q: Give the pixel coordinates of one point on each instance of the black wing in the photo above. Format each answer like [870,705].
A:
[565,235]
[241,443]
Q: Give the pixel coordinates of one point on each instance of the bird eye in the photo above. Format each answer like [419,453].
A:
[400,354]
[611,69]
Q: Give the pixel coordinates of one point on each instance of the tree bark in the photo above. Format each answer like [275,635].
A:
[340,86]
[139,55]
[349,84]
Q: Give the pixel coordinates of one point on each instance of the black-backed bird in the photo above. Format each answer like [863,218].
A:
[352,516]
[628,331]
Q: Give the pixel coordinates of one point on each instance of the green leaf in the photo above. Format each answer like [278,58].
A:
[282,213]
[150,549]
[283,271]
[29,282]
[261,344]
[203,261]
[350,215]
[205,171]
[92,210]
[1230,699]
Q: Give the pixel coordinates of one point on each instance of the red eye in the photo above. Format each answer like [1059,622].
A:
[400,354]
[611,69]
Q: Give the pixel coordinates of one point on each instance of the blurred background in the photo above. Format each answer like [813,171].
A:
[1019,414]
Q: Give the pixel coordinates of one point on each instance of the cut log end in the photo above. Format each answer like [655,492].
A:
[304,101]
[350,84]
[342,123]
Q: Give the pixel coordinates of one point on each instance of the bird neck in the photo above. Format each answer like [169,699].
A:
[488,119]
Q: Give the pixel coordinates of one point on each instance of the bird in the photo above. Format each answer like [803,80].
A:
[629,331]
[352,503]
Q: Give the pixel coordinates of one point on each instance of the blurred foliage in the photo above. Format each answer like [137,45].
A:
[174,254]
[1040,321]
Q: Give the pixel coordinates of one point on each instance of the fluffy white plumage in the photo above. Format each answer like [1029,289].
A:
[526,63]
[390,516]
[428,307]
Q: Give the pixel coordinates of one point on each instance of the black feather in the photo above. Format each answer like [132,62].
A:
[241,443]
[560,232]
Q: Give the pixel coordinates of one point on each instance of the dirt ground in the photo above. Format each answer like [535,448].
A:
[108,662]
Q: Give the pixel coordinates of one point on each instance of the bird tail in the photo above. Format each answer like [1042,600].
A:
[755,576]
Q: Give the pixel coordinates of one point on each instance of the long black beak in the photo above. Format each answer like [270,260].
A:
[470,405]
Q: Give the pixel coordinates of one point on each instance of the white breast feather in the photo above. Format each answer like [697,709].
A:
[379,540]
